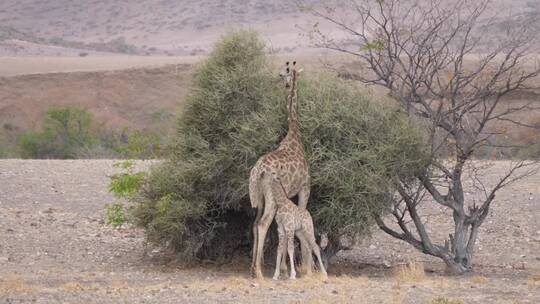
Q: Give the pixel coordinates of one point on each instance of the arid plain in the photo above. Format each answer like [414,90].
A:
[135,61]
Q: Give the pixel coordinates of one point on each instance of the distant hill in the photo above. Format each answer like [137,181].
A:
[163,27]
[158,27]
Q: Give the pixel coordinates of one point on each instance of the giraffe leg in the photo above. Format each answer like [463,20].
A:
[255,238]
[256,198]
[284,258]
[290,249]
[309,235]
[307,258]
[262,229]
[317,251]
[280,251]
[303,196]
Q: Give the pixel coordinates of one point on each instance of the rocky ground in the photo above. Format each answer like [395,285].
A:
[56,248]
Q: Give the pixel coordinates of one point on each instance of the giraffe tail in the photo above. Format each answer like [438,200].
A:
[255,193]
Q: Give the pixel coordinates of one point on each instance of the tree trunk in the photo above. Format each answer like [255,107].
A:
[455,267]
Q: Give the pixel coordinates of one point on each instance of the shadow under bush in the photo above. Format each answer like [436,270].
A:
[197,200]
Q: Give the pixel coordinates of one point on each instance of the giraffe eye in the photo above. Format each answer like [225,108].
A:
[287,70]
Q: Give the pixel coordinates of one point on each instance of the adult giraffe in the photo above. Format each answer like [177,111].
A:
[289,164]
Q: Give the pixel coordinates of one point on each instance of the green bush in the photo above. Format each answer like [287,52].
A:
[65,130]
[123,185]
[71,132]
[139,144]
[115,215]
[197,201]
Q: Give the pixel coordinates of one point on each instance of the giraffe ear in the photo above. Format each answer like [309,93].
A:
[300,71]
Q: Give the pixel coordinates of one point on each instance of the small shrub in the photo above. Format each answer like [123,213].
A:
[139,144]
[115,215]
[65,130]
[71,132]
[125,184]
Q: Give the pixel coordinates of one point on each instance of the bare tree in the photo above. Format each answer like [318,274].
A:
[447,64]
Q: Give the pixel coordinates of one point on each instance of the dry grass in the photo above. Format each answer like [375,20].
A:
[440,283]
[534,281]
[13,284]
[443,300]
[410,273]
[479,280]
[72,286]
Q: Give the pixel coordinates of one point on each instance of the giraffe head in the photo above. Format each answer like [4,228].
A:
[290,73]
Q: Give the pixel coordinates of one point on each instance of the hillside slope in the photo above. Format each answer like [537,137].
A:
[139,27]
[135,98]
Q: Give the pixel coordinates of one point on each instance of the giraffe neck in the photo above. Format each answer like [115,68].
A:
[281,194]
[292,108]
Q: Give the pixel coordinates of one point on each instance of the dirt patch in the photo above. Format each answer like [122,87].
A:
[55,247]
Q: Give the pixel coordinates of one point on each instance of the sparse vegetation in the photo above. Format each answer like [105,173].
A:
[115,215]
[197,201]
[65,130]
[72,132]
[419,52]
[126,184]
[123,186]
[410,273]
[479,280]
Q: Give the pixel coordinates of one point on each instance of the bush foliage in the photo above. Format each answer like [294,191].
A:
[123,186]
[65,130]
[197,200]
[72,132]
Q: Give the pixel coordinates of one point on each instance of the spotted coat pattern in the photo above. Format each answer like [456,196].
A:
[289,164]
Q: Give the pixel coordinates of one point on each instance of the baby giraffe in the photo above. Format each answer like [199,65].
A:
[291,220]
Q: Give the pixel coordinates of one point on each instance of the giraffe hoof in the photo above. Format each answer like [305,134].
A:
[275,278]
